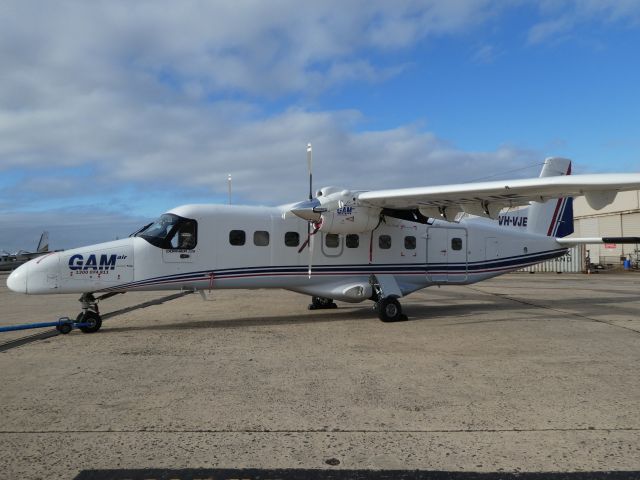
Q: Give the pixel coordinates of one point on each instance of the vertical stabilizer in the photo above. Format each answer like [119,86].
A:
[43,244]
[553,218]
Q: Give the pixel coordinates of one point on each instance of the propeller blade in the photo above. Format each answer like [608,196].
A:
[309,166]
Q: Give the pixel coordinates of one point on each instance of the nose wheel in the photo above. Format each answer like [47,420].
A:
[91,319]
[90,315]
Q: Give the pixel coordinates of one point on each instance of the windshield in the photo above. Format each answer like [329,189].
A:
[171,232]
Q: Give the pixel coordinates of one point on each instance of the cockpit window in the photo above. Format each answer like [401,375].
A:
[171,232]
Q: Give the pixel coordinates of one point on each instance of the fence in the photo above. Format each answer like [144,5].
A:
[571,262]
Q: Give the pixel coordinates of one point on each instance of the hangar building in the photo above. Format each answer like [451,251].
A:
[620,219]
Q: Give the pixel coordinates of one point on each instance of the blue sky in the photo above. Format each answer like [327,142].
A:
[113,112]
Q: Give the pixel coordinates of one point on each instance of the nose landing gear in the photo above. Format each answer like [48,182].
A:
[91,318]
[90,315]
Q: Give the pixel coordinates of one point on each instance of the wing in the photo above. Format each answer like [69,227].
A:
[488,198]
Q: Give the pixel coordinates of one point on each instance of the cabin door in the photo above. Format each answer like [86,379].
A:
[446,255]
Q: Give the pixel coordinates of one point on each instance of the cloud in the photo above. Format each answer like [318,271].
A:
[21,231]
[182,147]
[485,54]
[561,18]
[151,99]
[151,93]
[550,29]
[253,47]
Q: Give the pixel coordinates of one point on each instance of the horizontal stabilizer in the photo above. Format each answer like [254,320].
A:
[598,240]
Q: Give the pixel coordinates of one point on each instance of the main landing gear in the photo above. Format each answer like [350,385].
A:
[385,295]
[322,303]
[389,310]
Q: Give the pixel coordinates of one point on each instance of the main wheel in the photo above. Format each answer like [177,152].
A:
[389,310]
[92,318]
[321,302]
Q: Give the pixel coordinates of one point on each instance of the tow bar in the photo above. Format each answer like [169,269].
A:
[64,325]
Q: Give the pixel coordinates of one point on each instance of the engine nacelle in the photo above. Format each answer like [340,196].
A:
[337,211]
[350,219]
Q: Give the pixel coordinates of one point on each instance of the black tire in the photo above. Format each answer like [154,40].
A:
[389,310]
[321,302]
[89,317]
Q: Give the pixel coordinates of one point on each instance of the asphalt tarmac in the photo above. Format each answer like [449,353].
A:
[517,377]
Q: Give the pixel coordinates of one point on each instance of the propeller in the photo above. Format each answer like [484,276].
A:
[310,210]
[309,233]
[307,210]
[309,165]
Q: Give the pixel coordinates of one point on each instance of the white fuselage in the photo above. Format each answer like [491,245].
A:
[416,255]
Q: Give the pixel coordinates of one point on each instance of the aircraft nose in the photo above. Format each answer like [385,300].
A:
[17,281]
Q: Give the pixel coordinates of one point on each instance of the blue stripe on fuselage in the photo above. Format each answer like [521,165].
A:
[402,268]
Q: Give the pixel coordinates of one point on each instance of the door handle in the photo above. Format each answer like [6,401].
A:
[184,255]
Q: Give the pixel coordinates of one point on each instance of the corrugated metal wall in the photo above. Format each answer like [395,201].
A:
[613,225]
[620,218]
[610,226]
[572,262]
[631,228]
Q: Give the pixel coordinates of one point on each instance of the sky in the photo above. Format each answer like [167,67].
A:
[114,112]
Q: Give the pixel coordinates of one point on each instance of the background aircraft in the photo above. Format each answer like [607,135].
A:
[10,261]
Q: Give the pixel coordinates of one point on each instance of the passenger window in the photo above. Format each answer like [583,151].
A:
[292,239]
[384,242]
[352,240]
[456,243]
[237,237]
[410,242]
[331,240]
[261,238]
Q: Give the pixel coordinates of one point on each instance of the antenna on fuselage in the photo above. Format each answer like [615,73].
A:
[229,187]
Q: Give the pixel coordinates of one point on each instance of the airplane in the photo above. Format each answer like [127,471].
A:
[343,245]
[9,261]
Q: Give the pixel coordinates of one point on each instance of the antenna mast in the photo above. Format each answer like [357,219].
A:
[229,187]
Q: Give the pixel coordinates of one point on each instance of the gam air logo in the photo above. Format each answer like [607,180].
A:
[107,262]
[345,211]
[506,221]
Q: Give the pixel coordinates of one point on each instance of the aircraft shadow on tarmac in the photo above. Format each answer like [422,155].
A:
[337,474]
[482,304]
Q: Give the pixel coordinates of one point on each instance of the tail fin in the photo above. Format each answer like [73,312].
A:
[553,218]
[43,244]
